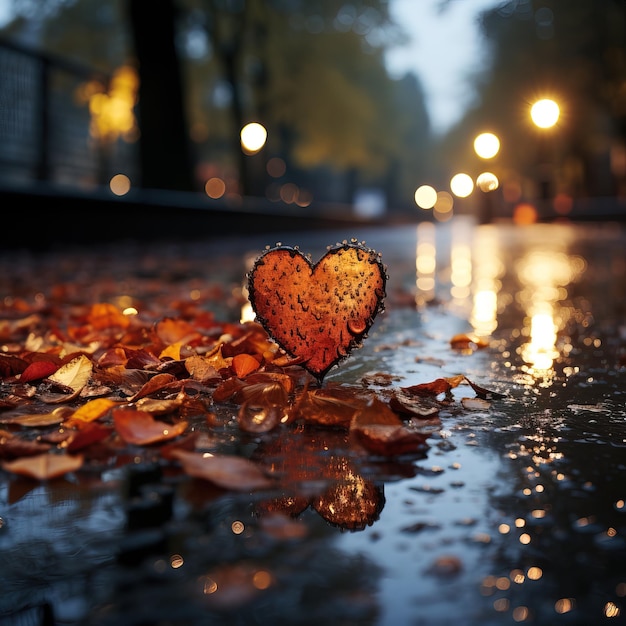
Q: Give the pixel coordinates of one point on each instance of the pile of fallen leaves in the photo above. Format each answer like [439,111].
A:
[84,387]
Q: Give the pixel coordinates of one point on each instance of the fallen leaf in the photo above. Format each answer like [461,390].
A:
[380,431]
[93,410]
[44,466]
[226,471]
[140,428]
[244,364]
[35,420]
[201,368]
[468,342]
[483,393]
[16,447]
[104,315]
[91,433]
[156,383]
[38,370]
[74,374]
[417,405]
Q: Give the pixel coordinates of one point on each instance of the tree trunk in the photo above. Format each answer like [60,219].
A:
[164,148]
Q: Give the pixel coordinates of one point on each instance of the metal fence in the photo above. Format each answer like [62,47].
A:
[45,129]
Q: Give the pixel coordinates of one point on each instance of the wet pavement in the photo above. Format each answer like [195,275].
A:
[516,512]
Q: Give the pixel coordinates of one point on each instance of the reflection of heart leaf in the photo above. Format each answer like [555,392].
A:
[318,312]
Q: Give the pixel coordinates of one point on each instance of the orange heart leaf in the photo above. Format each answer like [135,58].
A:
[318,312]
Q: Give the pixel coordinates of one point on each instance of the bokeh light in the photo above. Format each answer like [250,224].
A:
[425,197]
[215,187]
[462,185]
[276,167]
[253,137]
[545,113]
[486,145]
[487,181]
[119,184]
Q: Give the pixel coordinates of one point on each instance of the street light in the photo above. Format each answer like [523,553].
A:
[544,114]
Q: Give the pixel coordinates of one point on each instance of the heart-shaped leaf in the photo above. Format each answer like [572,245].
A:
[318,312]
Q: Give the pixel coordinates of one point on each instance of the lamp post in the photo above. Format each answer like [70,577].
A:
[544,114]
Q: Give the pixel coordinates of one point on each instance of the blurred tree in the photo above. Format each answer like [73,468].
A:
[573,51]
[312,72]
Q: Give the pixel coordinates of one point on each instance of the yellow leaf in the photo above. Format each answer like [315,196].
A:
[172,351]
[93,410]
[74,374]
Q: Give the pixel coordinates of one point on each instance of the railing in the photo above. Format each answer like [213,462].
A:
[44,129]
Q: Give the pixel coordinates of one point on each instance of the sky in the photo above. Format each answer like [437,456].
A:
[444,48]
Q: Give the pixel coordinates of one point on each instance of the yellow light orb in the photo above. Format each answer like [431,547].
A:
[486,145]
[425,197]
[461,185]
[545,113]
[253,137]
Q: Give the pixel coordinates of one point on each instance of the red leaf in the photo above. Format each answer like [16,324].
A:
[88,434]
[140,428]
[38,370]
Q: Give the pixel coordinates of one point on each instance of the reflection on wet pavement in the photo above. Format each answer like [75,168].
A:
[516,512]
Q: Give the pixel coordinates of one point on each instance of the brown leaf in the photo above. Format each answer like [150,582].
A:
[140,428]
[468,342]
[156,383]
[435,387]
[16,447]
[229,472]
[380,431]
[415,405]
[483,393]
[36,420]
[201,368]
[45,466]
[331,406]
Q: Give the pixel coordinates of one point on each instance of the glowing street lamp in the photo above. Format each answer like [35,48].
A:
[544,115]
